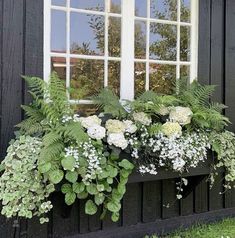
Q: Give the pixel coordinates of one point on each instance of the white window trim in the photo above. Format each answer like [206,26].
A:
[127,47]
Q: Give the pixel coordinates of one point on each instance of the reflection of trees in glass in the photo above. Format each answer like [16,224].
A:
[87,75]
[164,47]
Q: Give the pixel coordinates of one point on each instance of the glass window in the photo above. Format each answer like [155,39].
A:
[128,45]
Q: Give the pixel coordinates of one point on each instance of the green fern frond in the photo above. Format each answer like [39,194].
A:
[51,138]
[148,96]
[109,102]
[53,151]
[75,131]
[219,107]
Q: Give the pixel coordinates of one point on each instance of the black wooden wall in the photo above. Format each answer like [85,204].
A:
[21,52]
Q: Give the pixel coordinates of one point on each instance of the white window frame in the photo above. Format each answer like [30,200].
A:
[127,46]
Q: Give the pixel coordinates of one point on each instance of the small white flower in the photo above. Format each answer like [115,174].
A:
[118,140]
[182,115]
[163,110]
[142,118]
[185,181]
[179,196]
[96,132]
[178,164]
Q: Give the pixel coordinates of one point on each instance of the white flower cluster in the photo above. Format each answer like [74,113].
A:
[142,118]
[93,157]
[179,153]
[90,121]
[73,151]
[151,169]
[68,118]
[96,132]
[182,115]
[116,132]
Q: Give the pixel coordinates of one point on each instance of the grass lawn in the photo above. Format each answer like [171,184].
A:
[224,229]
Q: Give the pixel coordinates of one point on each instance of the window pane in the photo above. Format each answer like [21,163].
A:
[184,71]
[96,5]
[164,9]
[58,64]
[162,78]
[185,11]
[114,76]
[115,6]
[87,34]
[87,77]
[185,43]
[58,31]
[140,39]
[114,36]
[59,2]
[141,8]
[163,39]
[140,76]
[85,110]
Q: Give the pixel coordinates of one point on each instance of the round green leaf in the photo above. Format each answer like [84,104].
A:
[82,195]
[99,198]
[68,163]
[91,189]
[113,206]
[78,187]
[100,187]
[56,176]
[126,164]
[115,216]
[90,208]
[44,168]
[70,198]
[66,188]
[71,176]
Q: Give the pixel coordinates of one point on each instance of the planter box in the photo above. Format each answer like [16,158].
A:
[204,168]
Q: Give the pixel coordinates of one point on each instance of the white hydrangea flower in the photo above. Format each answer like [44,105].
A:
[118,140]
[130,126]
[115,126]
[171,129]
[96,132]
[90,121]
[178,164]
[142,117]
[182,115]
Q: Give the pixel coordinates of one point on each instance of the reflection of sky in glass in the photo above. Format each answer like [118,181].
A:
[141,8]
[81,32]
[88,4]
[58,31]
[59,2]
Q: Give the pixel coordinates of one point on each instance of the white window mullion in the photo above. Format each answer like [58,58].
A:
[47,40]
[147,46]
[194,39]
[68,47]
[127,50]
[106,42]
[178,40]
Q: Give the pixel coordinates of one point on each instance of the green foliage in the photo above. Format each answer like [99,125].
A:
[206,114]
[224,145]
[109,103]
[23,190]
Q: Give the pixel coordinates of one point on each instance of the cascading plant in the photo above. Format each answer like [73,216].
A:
[92,157]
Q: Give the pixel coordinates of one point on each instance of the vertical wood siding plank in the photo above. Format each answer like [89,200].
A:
[64,224]
[204,42]
[186,205]
[151,201]
[169,197]
[132,204]
[216,200]
[11,85]
[95,223]
[201,197]
[83,218]
[33,64]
